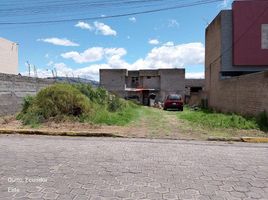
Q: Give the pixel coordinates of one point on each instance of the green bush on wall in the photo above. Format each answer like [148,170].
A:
[76,102]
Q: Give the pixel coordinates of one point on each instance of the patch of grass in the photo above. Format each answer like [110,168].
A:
[210,119]
[80,102]
[121,117]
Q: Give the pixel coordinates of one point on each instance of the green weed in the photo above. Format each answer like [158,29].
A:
[210,119]
[78,102]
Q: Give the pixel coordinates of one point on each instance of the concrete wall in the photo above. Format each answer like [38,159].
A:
[8,57]
[113,80]
[195,82]
[172,81]
[14,88]
[150,82]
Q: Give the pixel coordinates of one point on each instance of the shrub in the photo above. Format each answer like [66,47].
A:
[98,95]
[55,101]
[76,102]
[27,102]
[61,99]
[87,90]
[115,103]
[101,96]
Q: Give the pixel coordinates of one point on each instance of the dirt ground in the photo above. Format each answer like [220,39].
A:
[153,123]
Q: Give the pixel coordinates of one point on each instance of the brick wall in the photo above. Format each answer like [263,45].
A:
[14,88]
[247,94]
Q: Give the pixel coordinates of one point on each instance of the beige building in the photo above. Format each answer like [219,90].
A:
[8,57]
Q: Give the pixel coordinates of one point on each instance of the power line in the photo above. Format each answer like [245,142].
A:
[79,8]
[196,3]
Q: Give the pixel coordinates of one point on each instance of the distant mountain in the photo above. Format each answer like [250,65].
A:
[76,80]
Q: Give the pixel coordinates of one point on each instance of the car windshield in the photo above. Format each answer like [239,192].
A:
[174,97]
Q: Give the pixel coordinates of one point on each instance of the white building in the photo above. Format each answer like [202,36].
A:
[8,57]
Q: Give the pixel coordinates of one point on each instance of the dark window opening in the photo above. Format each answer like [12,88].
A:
[134,81]
[195,89]
[226,74]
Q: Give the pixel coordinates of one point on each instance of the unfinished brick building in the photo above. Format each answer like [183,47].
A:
[140,84]
[236,59]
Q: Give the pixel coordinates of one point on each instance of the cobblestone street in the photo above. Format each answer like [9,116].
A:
[78,168]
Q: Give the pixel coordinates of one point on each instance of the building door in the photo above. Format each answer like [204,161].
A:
[145,97]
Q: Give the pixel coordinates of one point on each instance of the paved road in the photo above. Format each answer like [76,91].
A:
[42,167]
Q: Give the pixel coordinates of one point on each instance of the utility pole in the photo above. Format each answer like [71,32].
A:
[29,68]
[52,71]
[56,74]
[35,72]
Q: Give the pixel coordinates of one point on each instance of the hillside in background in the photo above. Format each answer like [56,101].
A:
[76,80]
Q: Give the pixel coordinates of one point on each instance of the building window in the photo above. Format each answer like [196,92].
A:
[134,81]
[264,36]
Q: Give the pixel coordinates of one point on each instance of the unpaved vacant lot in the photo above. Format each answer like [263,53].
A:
[151,123]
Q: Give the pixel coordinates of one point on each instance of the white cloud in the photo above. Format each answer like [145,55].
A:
[165,56]
[173,56]
[59,41]
[169,43]
[195,75]
[115,52]
[84,25]
[100,28]
[172,23]
[225,4]
[94,54]
[153,41]
[104,29]
[132,19]
[89,55]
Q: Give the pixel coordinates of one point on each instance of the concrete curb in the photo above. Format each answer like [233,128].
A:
[116,135]
[255,139]
[240,139]
[223,139]
[59,133]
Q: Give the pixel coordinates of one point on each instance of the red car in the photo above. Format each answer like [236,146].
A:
[173,101]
